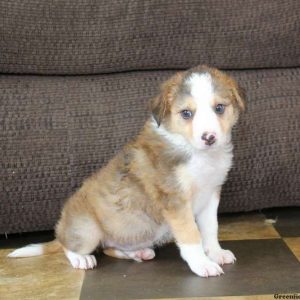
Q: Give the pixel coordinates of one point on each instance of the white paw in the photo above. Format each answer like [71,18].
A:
[79,261]
[140,255]
[199,263]
[221,256]
[207,268]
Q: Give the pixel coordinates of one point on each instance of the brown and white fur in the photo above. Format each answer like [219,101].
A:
[164,185]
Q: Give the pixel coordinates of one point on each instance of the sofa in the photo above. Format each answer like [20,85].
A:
[76,77]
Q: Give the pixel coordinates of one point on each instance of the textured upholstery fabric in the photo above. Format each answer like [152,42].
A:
[97,36]
[56,130]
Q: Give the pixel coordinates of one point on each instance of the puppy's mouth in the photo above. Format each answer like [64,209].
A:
[210,142]
[206,146]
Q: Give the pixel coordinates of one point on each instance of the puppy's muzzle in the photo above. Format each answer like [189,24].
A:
[209,138]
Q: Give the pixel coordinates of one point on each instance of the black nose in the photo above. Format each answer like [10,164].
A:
[209,138]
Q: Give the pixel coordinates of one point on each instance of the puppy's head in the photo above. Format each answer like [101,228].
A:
[199,106]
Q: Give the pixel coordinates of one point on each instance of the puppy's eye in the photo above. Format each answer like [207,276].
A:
[220,109]
[186,114]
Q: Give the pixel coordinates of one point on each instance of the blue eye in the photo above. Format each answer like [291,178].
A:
[186,114]
[219,109]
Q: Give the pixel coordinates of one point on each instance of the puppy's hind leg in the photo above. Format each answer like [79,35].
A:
[79,237]
[137,255]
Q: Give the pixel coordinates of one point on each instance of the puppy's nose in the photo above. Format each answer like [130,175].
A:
[209,138]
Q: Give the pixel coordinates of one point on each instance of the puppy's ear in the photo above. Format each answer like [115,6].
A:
[160,105]
[237,93]
[240,97]
[158,108]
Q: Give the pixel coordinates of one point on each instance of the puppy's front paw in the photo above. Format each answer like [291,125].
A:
[206,268]
[221,256]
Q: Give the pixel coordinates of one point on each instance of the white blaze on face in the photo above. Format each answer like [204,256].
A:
[205,119]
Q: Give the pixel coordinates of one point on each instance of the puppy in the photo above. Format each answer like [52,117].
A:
[164,185]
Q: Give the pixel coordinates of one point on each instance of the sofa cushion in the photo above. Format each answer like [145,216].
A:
[97,36]
[55,131]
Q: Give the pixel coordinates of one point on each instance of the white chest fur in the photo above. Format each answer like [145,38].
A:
[203,174]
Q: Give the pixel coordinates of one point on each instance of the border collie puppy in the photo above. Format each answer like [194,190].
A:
[163,185]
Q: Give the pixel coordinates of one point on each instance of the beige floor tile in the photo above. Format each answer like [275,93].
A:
[38,278]
[294,245]
[245,227]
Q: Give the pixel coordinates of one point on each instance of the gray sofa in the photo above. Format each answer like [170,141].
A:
[76,77]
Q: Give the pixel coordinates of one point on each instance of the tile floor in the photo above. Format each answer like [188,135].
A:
[268,263]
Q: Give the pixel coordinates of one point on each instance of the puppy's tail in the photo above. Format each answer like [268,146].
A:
[37,249]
